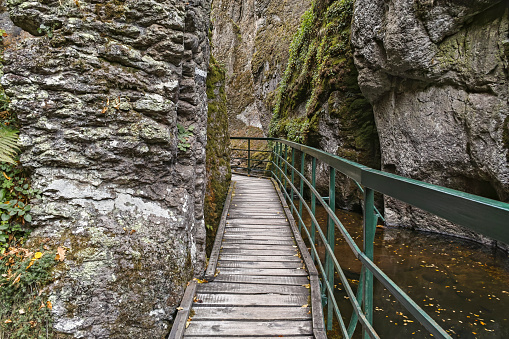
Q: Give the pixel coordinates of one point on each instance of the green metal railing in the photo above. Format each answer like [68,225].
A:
[482,215]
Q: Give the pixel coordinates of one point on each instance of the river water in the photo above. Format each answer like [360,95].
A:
[462,285]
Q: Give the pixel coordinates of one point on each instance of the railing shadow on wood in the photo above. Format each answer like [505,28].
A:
[485,216]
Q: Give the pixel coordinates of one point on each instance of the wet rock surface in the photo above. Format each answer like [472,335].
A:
[99,92]
[436,74]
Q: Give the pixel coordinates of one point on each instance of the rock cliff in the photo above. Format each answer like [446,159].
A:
[437,74]
[251,38]
[319,101]
[111,96]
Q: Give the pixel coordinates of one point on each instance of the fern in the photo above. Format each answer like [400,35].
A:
[8,144]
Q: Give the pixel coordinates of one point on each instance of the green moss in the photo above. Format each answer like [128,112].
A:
[217,150]
[321,76]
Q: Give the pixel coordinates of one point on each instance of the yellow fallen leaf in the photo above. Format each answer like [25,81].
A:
[304,306]
[6,177]
[180,308]
[17,279]
[60,254]
[8,321]
[49,304]
[37,255]
[307,286]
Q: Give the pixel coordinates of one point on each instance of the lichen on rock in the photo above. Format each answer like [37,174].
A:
[99,91]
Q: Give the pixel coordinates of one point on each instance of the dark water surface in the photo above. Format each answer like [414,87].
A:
[463,286]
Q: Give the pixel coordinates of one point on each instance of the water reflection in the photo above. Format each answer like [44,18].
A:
[462,285]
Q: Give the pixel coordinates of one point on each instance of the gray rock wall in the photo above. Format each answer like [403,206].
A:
[436,73]
[251,38]
[99,92]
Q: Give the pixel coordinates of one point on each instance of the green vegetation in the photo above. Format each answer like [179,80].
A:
[217,150]
[15,190]
[321,78]
[25,311]
[183,137]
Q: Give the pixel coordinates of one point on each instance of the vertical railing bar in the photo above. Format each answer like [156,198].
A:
[302,164]
[360,292]
[286,166]
[293,175]
[248,156]
[331,240]
[369,238]
[313,201]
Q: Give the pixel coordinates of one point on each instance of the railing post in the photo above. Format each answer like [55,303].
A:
[248,156]
[302,161]
[329,264]
[313,203]
[369,239]
[293,175]
[286,166]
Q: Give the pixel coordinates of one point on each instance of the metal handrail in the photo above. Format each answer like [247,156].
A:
[485,216]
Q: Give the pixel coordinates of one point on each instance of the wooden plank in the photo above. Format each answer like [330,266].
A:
[277,231]
[258,242]
[236,288]
[285,272]
[251,299]
[278,258]
[238,328]
[257,237]
[262,264]
[259,246]
[179,325]
[244,337]
[251,313]
[263,279]
[251,221]
[258,252]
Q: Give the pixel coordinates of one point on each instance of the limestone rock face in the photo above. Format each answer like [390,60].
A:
[251,38]
[436,73]
[99,92]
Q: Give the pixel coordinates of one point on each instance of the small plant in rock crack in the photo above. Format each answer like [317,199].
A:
[183,136]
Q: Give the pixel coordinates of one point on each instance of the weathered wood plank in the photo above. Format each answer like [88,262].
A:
[258,242]
[251,299]
[254,221]
[244,337]
[264,271]
[263,279]
[257,237]
[178,328]
[236,288]
[251,313]
[262,264]
[259,246]
[260,328]
[273,258]
[258,252]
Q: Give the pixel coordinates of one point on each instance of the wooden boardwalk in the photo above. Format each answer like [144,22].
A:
[257,282]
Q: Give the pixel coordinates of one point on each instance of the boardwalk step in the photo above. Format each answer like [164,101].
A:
[263,264]
[236,288]
[264,258]
[263,271]
[251,313]
[251,299]
[229,327]
[263,279]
